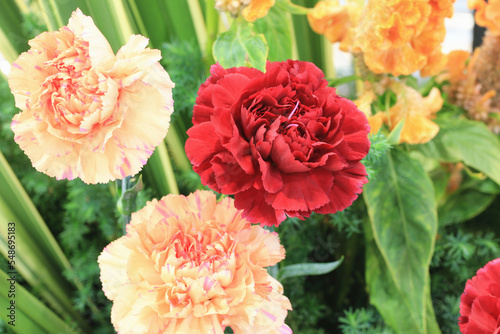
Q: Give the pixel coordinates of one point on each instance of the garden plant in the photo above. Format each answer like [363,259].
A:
[202,166]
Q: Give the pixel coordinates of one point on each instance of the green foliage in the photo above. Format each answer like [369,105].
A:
[400,236]
[362,321]
[468,141]
[182,60]
[240,45]
[378,148]
[277,31]
[458,255]
[307,269]
[452,209]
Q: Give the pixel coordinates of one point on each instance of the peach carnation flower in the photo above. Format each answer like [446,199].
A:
[192,265]
[402,36]
[85,112]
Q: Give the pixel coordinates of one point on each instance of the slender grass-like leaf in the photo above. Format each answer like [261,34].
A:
[212,19]
[159,173]
[12,39]
[308,42]
[176,147]
[41,260]
[51,15]
[29,314]
[198,22]
[307,269]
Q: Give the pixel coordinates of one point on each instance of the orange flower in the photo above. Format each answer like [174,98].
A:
[330,19]
[85,112]
[456,66]
[251,9]
[416,111]
[192,265]
[402,36]
[257,9]
[364,104]
[487,14]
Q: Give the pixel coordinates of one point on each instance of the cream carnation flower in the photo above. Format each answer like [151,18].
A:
[191,265]
[85,112]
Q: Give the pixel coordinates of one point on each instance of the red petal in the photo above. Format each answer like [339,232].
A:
[202,145]
[302,191]
[271,177]
[347,185]
[484,313]
[256,210]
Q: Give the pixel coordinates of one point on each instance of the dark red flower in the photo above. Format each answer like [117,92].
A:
[480,302]
[282,142]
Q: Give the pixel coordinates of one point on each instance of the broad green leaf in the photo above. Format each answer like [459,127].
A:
[276,27]
[400,234]
[307,269]
[241,45]
[395,135]
[468,141]
[454,211]
[29,314]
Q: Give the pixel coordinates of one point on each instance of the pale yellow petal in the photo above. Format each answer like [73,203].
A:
[101,54]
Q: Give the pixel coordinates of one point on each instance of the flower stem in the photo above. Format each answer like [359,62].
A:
[128,188]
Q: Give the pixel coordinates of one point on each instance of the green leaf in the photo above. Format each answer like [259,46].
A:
[468,141]
[454,211]
[277,29]
[400,235]
[308,269]
[30,315]
[288,6]
[159,174]
[241,45]
[395,134]
[343,80]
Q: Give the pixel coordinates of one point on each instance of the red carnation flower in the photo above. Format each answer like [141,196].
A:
[480,302]
[282,142]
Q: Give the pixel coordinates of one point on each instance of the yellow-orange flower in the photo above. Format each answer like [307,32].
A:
[402,36]
[192,265]
[456,66]
[331,19]
[250,9]
[364,104]
[257,9]
[487,14]
[87,113]
[416,111]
